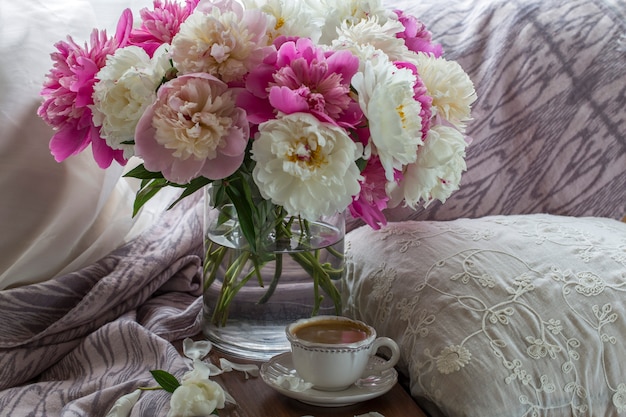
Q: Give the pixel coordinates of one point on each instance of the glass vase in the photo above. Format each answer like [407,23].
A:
[251,292]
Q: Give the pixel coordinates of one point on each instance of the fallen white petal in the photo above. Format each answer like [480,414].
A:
[229,398]
[196,349]
[246,368]
[293,383]
[201,370]
[124,404]
[215,370]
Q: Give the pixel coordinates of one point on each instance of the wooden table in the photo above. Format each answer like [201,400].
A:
[256,399]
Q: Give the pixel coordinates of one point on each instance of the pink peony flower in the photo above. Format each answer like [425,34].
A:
[416,37]
[303,78]
[372,198]
[193,129]
[159,26]
[68,90]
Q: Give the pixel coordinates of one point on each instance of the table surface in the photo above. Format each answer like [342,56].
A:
[256,399]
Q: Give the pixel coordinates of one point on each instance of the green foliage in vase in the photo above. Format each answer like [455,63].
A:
[268,229]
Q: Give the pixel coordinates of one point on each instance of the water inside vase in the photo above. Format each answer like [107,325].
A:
[255,327]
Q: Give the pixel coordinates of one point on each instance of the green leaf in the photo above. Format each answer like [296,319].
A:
[245,214]
[195,185]
[166,380]
[147,191]
[361,164]
[142,173]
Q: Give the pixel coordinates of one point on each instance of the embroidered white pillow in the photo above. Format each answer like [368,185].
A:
[500,316]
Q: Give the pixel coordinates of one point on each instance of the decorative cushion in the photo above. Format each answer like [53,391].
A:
[499,316]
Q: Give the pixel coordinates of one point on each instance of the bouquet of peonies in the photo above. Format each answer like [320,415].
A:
[315,106]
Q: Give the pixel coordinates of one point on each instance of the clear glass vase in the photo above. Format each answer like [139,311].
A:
[251,292]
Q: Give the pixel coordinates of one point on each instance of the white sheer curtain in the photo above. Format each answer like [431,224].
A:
[54,217]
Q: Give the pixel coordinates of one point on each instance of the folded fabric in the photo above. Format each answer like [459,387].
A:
[80,341]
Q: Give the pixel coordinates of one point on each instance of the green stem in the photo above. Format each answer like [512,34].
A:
[255,258]
[320,277]
[213,261]
[278,270]
[240,285]
[335,253]
[228,291]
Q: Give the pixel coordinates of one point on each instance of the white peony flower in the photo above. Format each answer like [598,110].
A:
[305,165]
[386,98]
[196,397]
[290,18]
[450,87]
[225,44]
[126,87]
[371,33]
[437,172]
[348,12]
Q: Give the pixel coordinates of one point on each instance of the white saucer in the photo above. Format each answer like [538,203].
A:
[366,388]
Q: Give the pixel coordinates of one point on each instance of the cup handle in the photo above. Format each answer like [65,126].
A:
[395,353]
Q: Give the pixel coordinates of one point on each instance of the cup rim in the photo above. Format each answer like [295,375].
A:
[292,338]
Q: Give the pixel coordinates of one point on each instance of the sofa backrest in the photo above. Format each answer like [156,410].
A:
[549,128]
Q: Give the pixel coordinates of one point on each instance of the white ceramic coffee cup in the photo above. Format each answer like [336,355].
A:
[334,365]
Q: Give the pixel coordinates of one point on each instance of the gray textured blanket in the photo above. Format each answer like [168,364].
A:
[73,345]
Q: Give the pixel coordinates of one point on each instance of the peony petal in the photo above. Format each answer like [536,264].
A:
[103,154]
[67,142]
[182,171]
[237,139]
[287,100]
[196,349]
[221,167]
[124,27]
[258,110]
[248,369]
[344,63]
[287,53]
[202,370]
[293,383]
[258,80]
[155,157]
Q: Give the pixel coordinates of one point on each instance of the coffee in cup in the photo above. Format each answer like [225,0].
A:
[333,352]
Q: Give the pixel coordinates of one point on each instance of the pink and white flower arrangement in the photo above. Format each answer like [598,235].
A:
[325,106]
